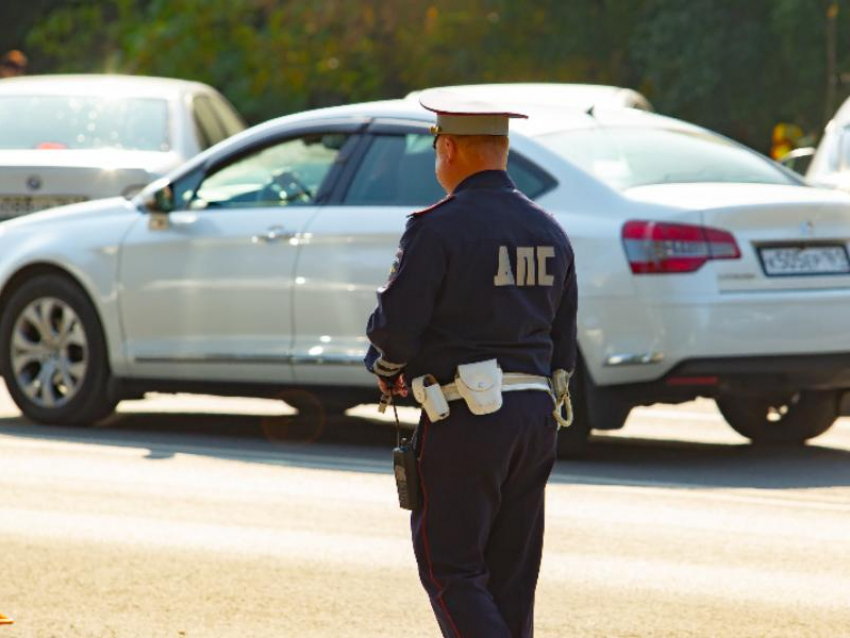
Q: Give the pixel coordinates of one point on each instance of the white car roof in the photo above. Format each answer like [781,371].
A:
[842,115]
[99,84]
[542,119]
[583,96]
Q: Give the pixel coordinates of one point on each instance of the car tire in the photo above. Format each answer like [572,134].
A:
[594,408]
[791,419]
[53,353]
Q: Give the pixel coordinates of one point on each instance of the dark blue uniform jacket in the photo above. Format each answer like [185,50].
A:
[484,273]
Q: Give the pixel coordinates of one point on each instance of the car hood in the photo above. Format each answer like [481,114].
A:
[151,161]
[709,196]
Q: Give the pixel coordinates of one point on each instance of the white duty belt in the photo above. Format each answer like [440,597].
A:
[481,385]
[511,382]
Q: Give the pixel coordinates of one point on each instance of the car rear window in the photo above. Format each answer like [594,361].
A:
[627,157]
[33,122]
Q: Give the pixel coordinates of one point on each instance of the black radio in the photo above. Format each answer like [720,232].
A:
[406,476]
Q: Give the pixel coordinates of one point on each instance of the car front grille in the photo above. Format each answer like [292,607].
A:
[15,205]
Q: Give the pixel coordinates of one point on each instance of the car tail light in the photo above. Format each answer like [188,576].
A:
[660,247]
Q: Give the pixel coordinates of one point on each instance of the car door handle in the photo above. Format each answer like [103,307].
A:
[274,233]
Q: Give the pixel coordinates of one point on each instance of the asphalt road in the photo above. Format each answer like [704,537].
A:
[217,518]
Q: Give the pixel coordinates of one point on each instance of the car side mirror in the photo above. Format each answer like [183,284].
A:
[160,199]
[159,202]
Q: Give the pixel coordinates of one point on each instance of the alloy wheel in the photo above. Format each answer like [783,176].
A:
[49,352]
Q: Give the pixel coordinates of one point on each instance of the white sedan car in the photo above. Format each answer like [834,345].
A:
[704,269]
[72,138]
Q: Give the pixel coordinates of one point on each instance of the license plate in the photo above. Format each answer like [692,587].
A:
[804,260]
[12,206]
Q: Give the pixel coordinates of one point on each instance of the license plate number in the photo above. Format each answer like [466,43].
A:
[14,205]
[804,260]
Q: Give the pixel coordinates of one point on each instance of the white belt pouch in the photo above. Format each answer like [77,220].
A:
[480,385]
[430,395]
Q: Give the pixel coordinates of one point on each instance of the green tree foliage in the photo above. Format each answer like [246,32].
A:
[16,19]
[737,67]
[732,65]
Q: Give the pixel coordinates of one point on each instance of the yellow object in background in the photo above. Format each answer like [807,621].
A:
[5,620]
[785,139]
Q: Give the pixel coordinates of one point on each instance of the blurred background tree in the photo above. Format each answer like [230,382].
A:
[733,66]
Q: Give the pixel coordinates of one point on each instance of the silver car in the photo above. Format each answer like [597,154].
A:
[71,138]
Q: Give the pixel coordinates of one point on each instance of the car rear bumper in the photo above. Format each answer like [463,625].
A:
[647,340]
[710,377]
[783,372]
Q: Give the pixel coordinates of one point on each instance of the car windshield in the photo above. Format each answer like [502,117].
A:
[627,157]
[68,122]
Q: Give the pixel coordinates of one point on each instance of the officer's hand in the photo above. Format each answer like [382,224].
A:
[400,387]
[396,387]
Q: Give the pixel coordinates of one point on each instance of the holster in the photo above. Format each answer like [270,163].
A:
[430,395]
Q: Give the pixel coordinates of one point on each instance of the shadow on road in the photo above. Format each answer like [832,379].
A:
[688,464]
[274,440]
[293,440]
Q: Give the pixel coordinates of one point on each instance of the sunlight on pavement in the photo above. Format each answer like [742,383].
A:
[695,421]
[205,404]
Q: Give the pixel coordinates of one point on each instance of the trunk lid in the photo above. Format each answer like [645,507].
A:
[790,237]
[33,180]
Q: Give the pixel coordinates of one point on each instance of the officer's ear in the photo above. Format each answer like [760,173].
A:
[451,147]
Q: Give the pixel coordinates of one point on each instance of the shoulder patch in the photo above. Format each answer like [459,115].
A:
[419,213]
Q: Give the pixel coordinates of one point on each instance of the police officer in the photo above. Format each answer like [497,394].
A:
[485,277]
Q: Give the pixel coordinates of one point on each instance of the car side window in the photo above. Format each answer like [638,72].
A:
[529,178]
[230,121]
[291,172]
[207,126]
[398,170]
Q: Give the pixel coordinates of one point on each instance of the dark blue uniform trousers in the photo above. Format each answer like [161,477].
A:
[478,537]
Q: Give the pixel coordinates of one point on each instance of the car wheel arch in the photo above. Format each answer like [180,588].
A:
[37,269]
[34,270]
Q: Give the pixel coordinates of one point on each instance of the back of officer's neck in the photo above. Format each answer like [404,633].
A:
[461,173]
